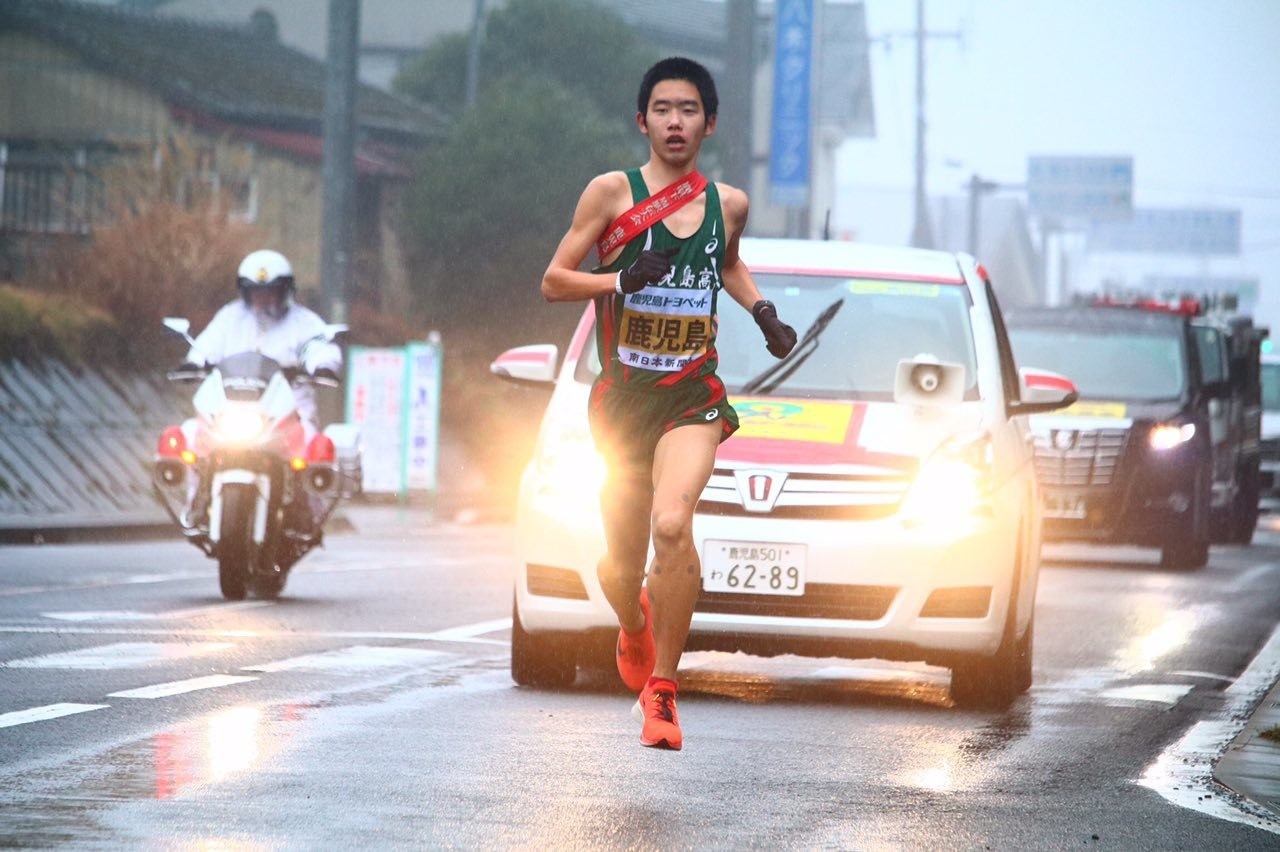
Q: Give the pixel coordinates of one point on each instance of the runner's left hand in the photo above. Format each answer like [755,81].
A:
[779,337]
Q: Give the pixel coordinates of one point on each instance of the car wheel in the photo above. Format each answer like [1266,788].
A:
[1188,547]
[1185,556]
[995,682]
[1245,516]
[539,659]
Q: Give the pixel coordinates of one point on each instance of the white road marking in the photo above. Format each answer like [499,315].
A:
[1168,694]
[50,711]
[134,615]
[178,687]
[1202,675]
[390,565]
[99,584]
[122,655]
[354,658]
[468,632]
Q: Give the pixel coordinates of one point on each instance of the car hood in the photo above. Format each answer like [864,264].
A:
[780,431]
[1105,414]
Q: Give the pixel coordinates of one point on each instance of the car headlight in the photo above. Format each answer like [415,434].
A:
[239,426]
[570,469]
[953,484]
[1167,436]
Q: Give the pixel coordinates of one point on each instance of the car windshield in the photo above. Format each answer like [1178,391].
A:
[1271,386]
[878,324]
[1107,364]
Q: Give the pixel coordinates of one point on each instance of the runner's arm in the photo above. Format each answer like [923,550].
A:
[737,279]
[564,281]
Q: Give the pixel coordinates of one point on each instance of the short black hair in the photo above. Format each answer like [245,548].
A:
[679,68]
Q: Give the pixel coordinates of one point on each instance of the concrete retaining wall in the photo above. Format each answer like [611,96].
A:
[76,444]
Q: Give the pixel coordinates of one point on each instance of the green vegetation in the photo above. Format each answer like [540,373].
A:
[555,107]
[34,324]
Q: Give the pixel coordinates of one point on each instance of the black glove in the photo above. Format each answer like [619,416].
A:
[326,376]
[780,338]
[651,266]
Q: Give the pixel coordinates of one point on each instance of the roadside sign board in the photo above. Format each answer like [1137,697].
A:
[1080,187]
[1170,231]
[423,415]
[791,120]
[393,395]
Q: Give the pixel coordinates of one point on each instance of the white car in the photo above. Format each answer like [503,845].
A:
[879,499]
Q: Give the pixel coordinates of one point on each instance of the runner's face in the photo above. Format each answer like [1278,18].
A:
[675,122]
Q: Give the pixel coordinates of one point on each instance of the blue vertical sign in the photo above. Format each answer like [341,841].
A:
[789,143]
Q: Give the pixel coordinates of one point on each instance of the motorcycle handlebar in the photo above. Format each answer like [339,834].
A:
[294,375]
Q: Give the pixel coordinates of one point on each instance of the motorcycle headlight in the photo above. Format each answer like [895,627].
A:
[1167,436]
[953,485]
[240,426]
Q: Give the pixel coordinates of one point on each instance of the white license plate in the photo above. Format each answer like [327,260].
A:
[753,568]
[1064,506]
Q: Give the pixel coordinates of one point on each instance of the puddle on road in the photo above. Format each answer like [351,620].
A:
[207,749]
[739,677]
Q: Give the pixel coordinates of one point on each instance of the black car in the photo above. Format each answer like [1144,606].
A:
[1161,450]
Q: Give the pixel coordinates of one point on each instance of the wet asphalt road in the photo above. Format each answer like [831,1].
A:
[371,705]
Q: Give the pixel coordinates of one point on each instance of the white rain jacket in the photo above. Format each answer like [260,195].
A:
[295,340]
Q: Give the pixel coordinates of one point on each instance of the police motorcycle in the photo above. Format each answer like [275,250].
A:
[240,478]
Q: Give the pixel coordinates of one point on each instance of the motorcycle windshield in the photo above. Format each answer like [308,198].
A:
[246,377]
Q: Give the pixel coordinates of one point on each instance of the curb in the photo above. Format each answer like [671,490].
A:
[1251,764]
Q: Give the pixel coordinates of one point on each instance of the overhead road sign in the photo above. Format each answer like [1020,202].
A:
[1170,231]
[1080,187]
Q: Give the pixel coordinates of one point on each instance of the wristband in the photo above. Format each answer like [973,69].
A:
[760,306]
[617,283]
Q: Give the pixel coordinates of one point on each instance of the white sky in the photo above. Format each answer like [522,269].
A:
[1189,88]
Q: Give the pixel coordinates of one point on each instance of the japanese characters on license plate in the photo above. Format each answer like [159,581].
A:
[1064,506]
[753,568]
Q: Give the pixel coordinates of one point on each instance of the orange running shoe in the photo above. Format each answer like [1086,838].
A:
[636,651]
[656,707]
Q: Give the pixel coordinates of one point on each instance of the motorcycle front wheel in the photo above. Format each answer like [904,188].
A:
[235,546]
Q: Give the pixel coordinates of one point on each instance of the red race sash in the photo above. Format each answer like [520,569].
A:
[653,209]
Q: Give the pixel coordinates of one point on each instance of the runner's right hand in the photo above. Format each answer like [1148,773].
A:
[649,268]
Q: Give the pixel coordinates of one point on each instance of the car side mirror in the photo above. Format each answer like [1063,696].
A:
[534,364]
[1040,391]
[180,326]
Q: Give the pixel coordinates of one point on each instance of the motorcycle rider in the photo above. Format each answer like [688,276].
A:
[266,319]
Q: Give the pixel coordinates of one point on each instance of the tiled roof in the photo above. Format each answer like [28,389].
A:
[227,72]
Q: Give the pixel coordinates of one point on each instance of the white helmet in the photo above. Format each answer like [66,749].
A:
[266,269]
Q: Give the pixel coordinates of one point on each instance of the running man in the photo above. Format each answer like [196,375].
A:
[658,410]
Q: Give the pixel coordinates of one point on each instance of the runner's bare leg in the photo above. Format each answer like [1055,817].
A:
[625,506]
[682,464]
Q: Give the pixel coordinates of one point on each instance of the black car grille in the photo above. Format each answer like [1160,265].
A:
[1081,457]
[820,600]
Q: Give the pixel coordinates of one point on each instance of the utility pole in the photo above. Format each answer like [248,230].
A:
[921,232]
[337,228]
[473,52]
[736,121]
[977,187]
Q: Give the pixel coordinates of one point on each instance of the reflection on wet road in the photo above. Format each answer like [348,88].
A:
[373,706]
